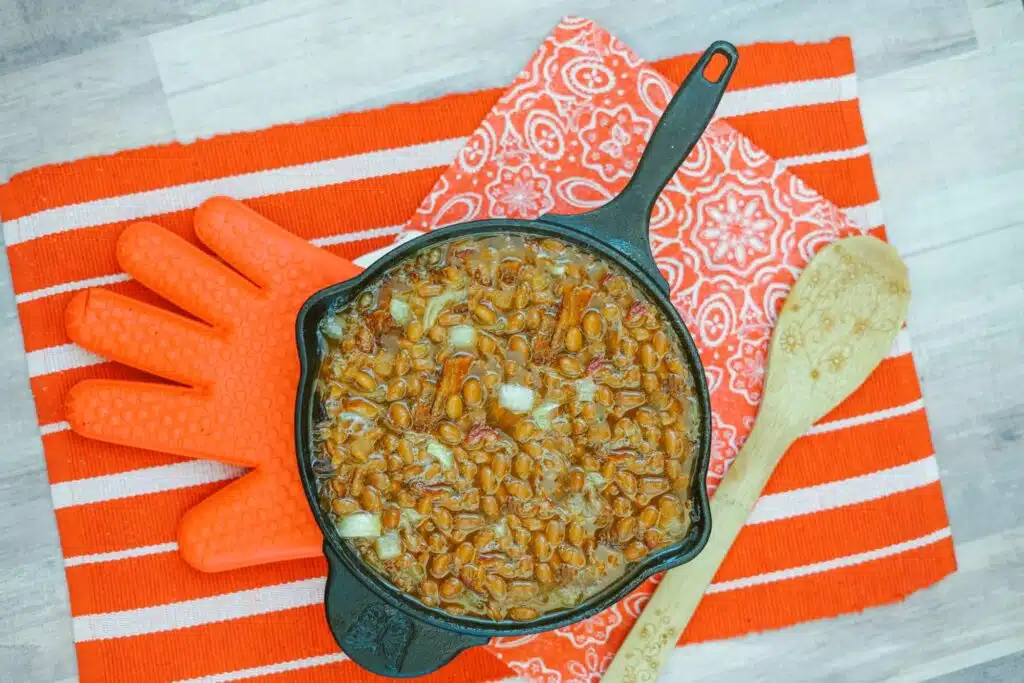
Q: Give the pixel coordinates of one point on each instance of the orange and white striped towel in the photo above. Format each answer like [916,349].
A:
[854,516]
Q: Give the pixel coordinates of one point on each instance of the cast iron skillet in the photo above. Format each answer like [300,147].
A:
[391,633]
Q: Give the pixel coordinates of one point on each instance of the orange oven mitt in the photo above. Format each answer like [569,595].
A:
[236,370]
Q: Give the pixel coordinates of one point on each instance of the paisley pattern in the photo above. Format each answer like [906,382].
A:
[730,233]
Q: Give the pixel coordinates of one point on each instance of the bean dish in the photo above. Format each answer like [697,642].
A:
[508,424]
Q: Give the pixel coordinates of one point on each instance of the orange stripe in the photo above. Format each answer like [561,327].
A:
[804,130]
[770,63]
[242,644]
[213,648]
[70,456]
[894,383]
[127,522]
[852,452]
[826,535]
[847,182]
[237,153]
[319,212]
[475,664]
[89,584]
[850,589]
[351,133]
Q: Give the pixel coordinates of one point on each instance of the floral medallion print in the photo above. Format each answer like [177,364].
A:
[730,233]
[593,631]
[519,193]
[590,669]
[534,671]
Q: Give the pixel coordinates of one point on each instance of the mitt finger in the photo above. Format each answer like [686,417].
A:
[143,336]
[261,518]
[262,250]
[156,417]
[183,274]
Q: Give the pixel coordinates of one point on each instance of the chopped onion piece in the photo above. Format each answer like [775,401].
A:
[542,413]
[440,452]
[410,517]
[332,327]
[594,479]
[437,304]
[585,389]
[515,397]
[400,311]
[359,525]
[462,336]
[389,546]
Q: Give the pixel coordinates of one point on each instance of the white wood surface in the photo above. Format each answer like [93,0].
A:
[942,93]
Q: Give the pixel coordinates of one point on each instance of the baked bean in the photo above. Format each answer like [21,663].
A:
[668,509]
[472,391]
[465,553]
[484,314]
[429,593]
[593,326]
[442,519]
[486,343]
[495,585]
[604,396]
[575,533]
[569,366]
[344,506]
[624,529]
[489,506]
[555,531]
[521,536]
[573,340]
[450,588]
[518,489]
[634,551]
[390,518]
[414,331]
[572,556]
[541,547]
[649,516]
[439,566]
[515,323]
[453,407]
[449,433]
[380,481]
[575,481]
[654,538]
[622,507]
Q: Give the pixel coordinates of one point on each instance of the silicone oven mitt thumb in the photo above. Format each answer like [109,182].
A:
[238,366]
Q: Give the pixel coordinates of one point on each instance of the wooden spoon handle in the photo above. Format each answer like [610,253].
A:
[669,611]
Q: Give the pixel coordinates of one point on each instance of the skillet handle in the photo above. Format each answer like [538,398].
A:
[624,220]
[380,638]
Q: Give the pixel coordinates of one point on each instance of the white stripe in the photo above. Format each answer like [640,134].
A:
[829,565]
[369,234]
[59,359]
[245,186]
[53,428]
[866,216]
[78,560]
[819,157]
[293,665]
[308,592]
[71,287]
[877,416]
[786,95]
[901,346]
[834,494]
[140,482]
[200,611]
[359,166]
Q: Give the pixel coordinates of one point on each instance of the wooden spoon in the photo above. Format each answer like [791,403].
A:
[837,325]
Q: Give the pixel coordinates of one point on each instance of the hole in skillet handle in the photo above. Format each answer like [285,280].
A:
[624,222]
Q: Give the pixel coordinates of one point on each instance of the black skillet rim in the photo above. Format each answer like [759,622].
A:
[310,354]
